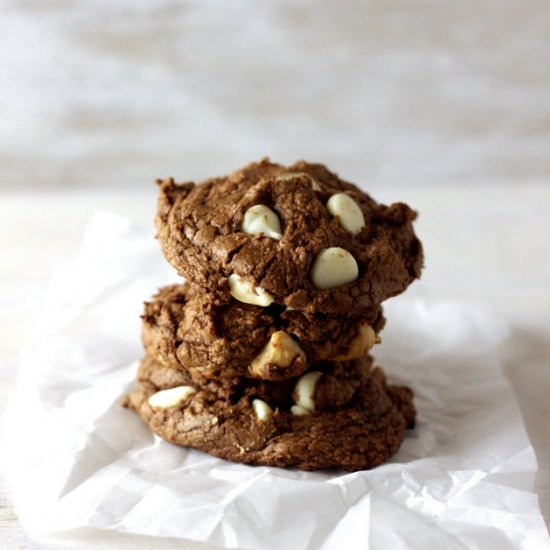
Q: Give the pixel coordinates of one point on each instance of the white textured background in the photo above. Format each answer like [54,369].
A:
[428,91]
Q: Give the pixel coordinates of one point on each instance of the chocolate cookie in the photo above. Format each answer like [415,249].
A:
[334,388]
[183,328]
[296,236]
[330,425]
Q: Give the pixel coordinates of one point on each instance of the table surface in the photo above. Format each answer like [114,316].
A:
[484,243]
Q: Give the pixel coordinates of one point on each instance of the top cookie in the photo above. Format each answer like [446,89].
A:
[297,236]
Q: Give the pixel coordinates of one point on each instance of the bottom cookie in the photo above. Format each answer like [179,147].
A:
[365,431]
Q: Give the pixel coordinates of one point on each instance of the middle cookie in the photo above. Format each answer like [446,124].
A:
[182,328]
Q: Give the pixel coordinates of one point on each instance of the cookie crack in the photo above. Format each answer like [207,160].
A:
[266,268]
[234,252]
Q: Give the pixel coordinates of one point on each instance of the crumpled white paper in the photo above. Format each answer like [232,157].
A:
[462,479]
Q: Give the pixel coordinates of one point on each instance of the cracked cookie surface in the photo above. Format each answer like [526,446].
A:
[183,328]
[204,233]
[256,425]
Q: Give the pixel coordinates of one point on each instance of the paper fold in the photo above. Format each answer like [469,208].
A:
[462,479]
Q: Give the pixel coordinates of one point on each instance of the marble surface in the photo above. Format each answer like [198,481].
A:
[445,105]
[94,93]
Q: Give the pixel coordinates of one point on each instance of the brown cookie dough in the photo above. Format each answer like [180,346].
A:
[334,387]
[257,425]
[205,234]
[183,328]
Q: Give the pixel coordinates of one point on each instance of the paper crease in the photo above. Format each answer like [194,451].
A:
[462,479]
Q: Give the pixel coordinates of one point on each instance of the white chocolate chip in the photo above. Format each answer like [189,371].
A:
[246,292]
[360,345]
[289,175]
[347,211]
[305,389]
[334,267]
[242,450]
[262,409]
[299,411]
[172,397]
[261,219]
[281,351]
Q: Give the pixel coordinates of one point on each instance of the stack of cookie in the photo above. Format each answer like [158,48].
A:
[262,355]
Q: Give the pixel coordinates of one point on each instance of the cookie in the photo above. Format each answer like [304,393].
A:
[184,328]
[296,236]
[328,426]
[334,388]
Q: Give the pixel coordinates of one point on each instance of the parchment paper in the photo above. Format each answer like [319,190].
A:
[462,479]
